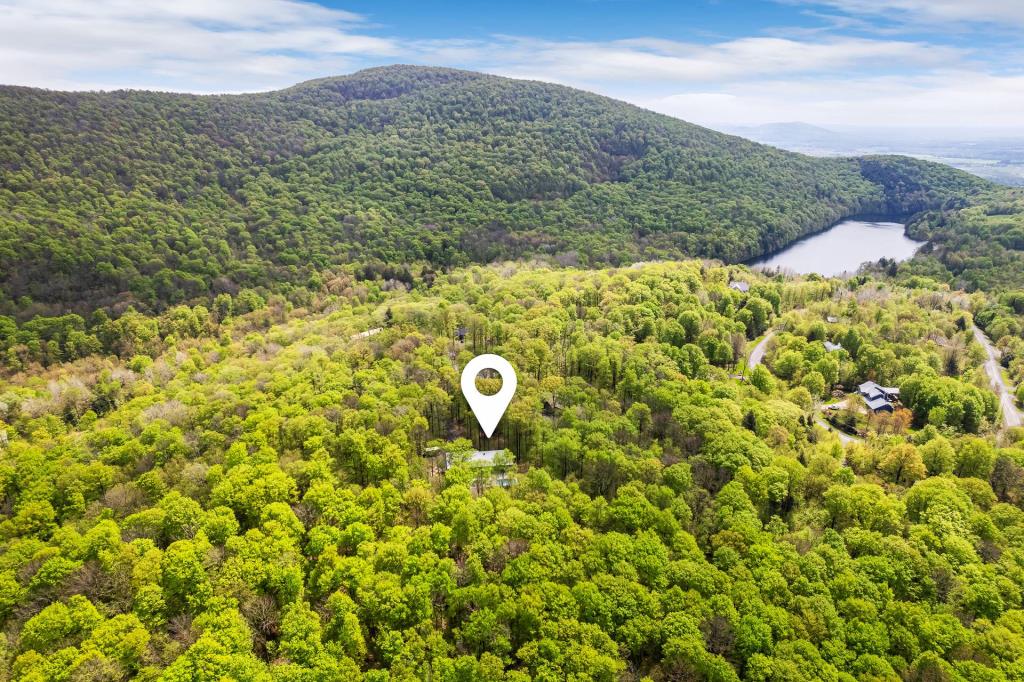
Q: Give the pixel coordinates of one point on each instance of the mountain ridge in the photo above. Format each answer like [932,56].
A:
[149,199]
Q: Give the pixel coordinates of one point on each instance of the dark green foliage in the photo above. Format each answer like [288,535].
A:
[154,199]
[912,185]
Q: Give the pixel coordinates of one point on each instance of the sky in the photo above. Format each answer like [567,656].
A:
[915,65]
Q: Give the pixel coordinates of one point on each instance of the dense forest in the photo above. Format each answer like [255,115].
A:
[264,496]
[980,249]
[152,199]
[233,446]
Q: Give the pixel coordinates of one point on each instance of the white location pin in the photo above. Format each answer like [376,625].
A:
[488,408]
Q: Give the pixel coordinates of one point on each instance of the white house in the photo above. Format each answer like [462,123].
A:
[367,334]
[495,462]
[740,286]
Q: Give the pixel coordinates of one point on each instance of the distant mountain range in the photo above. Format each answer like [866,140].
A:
[996,158]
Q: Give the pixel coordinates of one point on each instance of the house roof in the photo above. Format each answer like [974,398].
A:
[875,404]
[868,387]
[878,397]
[368,333]
[483,458]
[739,286]
[829,346]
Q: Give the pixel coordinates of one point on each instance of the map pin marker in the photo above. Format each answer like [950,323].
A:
[488,408]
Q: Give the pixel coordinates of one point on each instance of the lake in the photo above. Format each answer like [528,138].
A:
[842,248]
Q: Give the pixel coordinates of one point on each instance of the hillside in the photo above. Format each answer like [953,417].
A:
[260,496]
[980,249]
[143,198]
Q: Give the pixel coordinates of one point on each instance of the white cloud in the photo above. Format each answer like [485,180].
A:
[196,45]
[749,81]
[662,61]
[821,77]
[946,99]
[219,45]
[935,11]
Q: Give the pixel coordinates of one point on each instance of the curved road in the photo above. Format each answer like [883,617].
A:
[1011,415]
[757,357]
[757,354]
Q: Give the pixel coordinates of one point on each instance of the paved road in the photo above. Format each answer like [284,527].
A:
[1011,415]
[844,438]
[757,355]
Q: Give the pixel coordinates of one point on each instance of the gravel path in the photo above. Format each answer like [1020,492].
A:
[1011,415]
[757,355]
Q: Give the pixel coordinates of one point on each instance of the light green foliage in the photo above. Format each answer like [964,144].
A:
[761,378]
[938,456]
[183,576]
[59,621]
[262,499]
[122,639]
[944,401]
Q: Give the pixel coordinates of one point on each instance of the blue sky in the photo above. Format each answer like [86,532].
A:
[904,64]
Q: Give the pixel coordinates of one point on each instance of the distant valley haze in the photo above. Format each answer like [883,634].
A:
[993,155]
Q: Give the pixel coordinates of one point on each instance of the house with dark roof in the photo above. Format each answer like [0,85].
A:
[878,404]
[879,398]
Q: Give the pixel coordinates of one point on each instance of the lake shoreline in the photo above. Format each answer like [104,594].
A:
[862,217]
[872,237]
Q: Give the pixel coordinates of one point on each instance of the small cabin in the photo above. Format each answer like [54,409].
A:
[832,347]
[492,467]
[367,334]
[740,286]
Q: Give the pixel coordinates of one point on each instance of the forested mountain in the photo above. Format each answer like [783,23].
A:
[233,448]
[261,497]
[151,198]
